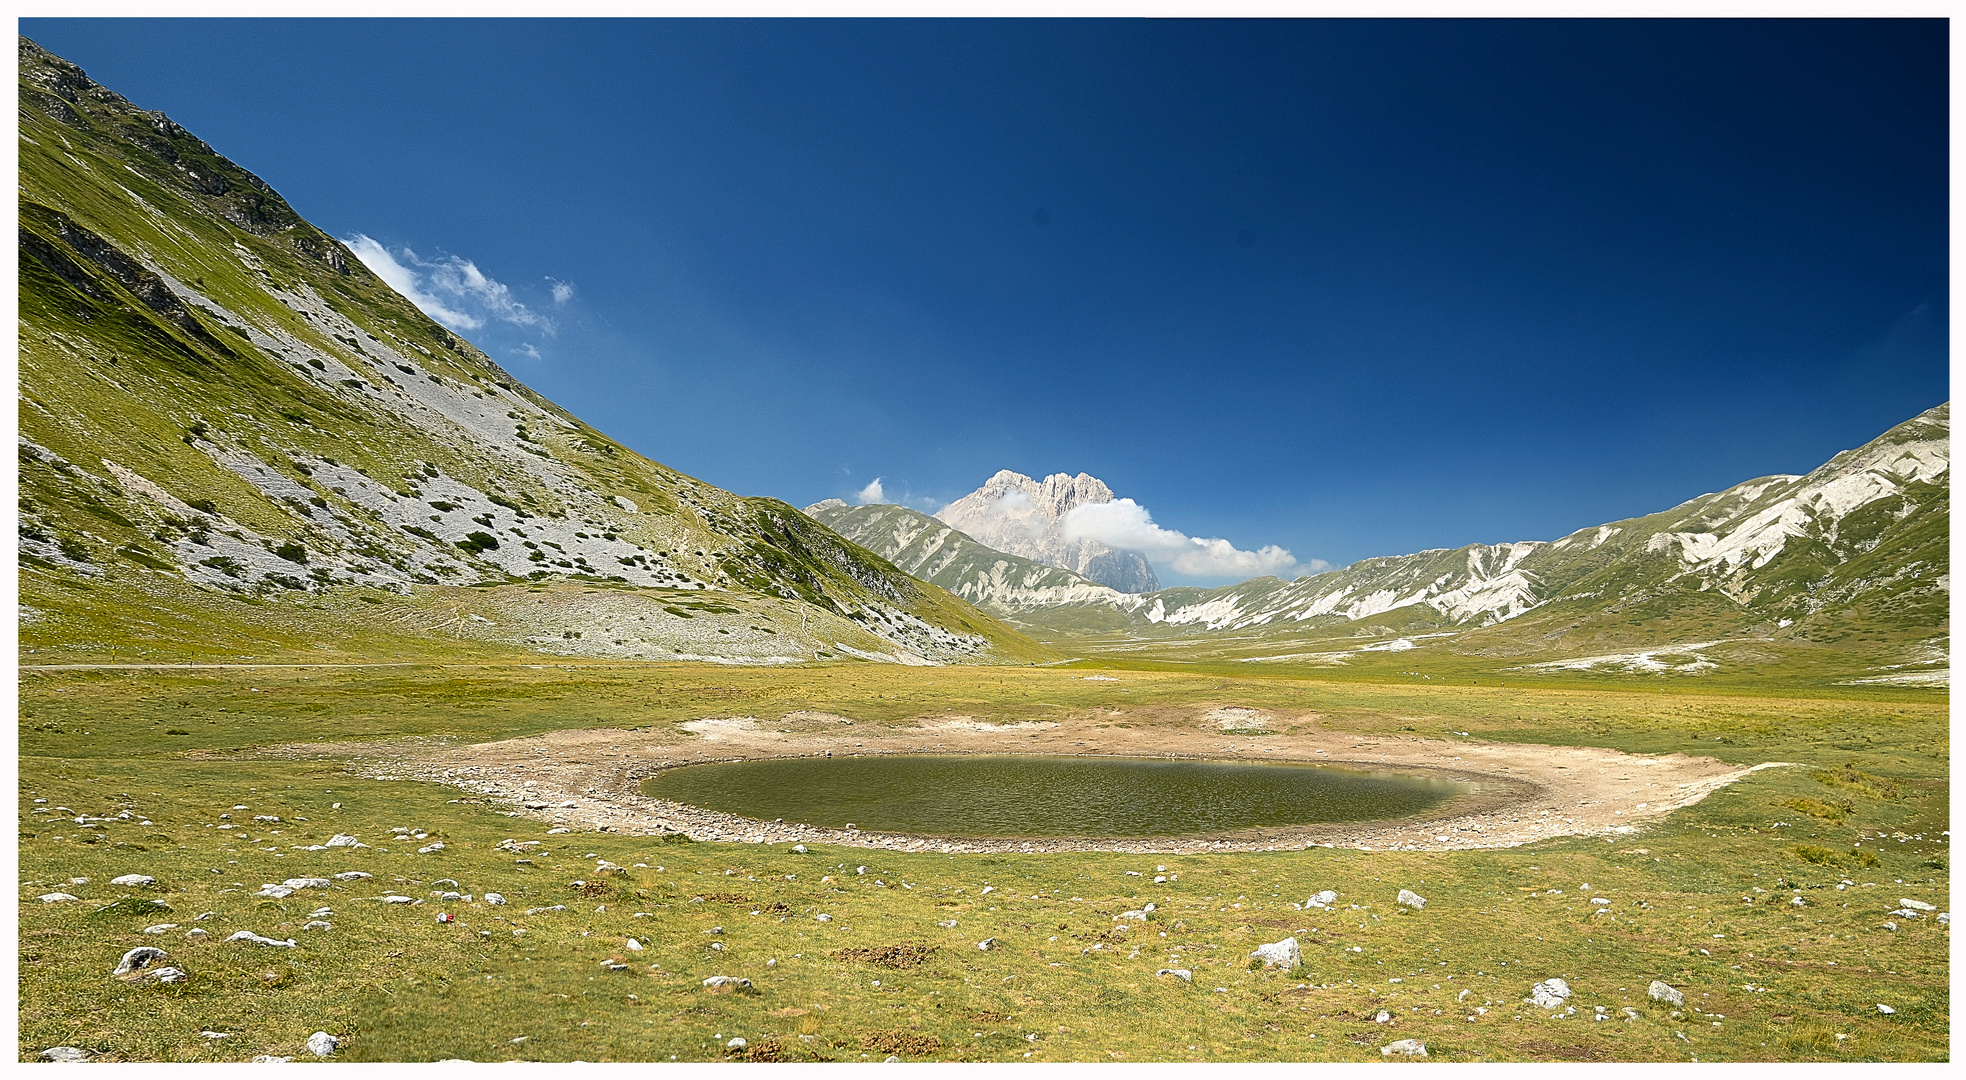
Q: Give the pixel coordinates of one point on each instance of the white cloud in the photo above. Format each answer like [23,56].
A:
[562,291]
[1127,526]
[405,280]
[872,493]
[528,351]
[451,289]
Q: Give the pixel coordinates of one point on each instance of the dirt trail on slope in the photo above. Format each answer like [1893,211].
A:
[1519,793]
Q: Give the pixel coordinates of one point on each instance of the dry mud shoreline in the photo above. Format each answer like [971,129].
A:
[591,779]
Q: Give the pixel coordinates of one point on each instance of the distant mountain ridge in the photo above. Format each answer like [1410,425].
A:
[1859,541]
[936,552]
[1020,516]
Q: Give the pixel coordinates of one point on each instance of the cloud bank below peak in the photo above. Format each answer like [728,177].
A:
[1125,525]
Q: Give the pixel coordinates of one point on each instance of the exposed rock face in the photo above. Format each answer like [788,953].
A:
[1013,513]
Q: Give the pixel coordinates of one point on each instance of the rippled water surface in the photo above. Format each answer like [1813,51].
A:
[1015,795]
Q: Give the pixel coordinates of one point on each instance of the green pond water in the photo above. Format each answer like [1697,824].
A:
[1027,796]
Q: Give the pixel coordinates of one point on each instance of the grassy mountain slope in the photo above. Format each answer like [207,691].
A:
[232,433]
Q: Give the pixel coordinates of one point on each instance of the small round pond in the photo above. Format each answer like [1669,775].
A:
[1030,796]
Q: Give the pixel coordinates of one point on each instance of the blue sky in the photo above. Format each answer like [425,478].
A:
[1347,288]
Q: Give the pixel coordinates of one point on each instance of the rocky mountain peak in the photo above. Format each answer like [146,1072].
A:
[1013,513]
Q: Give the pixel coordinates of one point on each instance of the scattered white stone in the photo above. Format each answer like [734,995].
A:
[317,924]
[798,849]
[738,1043]
[822,918]
[494,898]
[1321,900]
[1409,898]
[139,958]
[248,935]
[427,849]
[160,928]
[1600,900]
[1282,954]
[162,975]
[561,829]
[1408,1047]
[65,1054]
[55,898]
[987,944]
[276,892]
[353,875]
[542,910]
[133,880]
[1917,905]
[1659,991]
[1944,918]
[306,883]
[1384,1017]
[216,1034]
[196,935]
[344,840]
[634,946]
[397,899]
[718,981]
[1134,916]
[1886,1009]
[1183,974]
[322,1044]
[1549,994]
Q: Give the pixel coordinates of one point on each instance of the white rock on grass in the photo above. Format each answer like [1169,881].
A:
[56,898]
[1659,991]
[65,1054]
[1409,898]
[738,1043]
[1408,1047]
[317,924]
[196,935]
[133,880]
[1549,994]
[438,846]
[306,883]
[353,875]
[275,892]
[494,898]
[322,1044]
[1283,954]
[1183,974]
[341,840]
[139,958]
[1322,900]
[1917,905]
[634,946]
[395,898]
[725,982]
[160,928]
[161,975]
[1886,1009]
[987,944]
[248,935]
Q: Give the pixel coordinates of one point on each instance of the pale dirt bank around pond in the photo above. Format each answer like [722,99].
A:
[591,779]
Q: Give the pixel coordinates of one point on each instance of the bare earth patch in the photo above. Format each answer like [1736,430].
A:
[1519,793]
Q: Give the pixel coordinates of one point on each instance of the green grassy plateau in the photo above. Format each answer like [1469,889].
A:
[1704,900]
